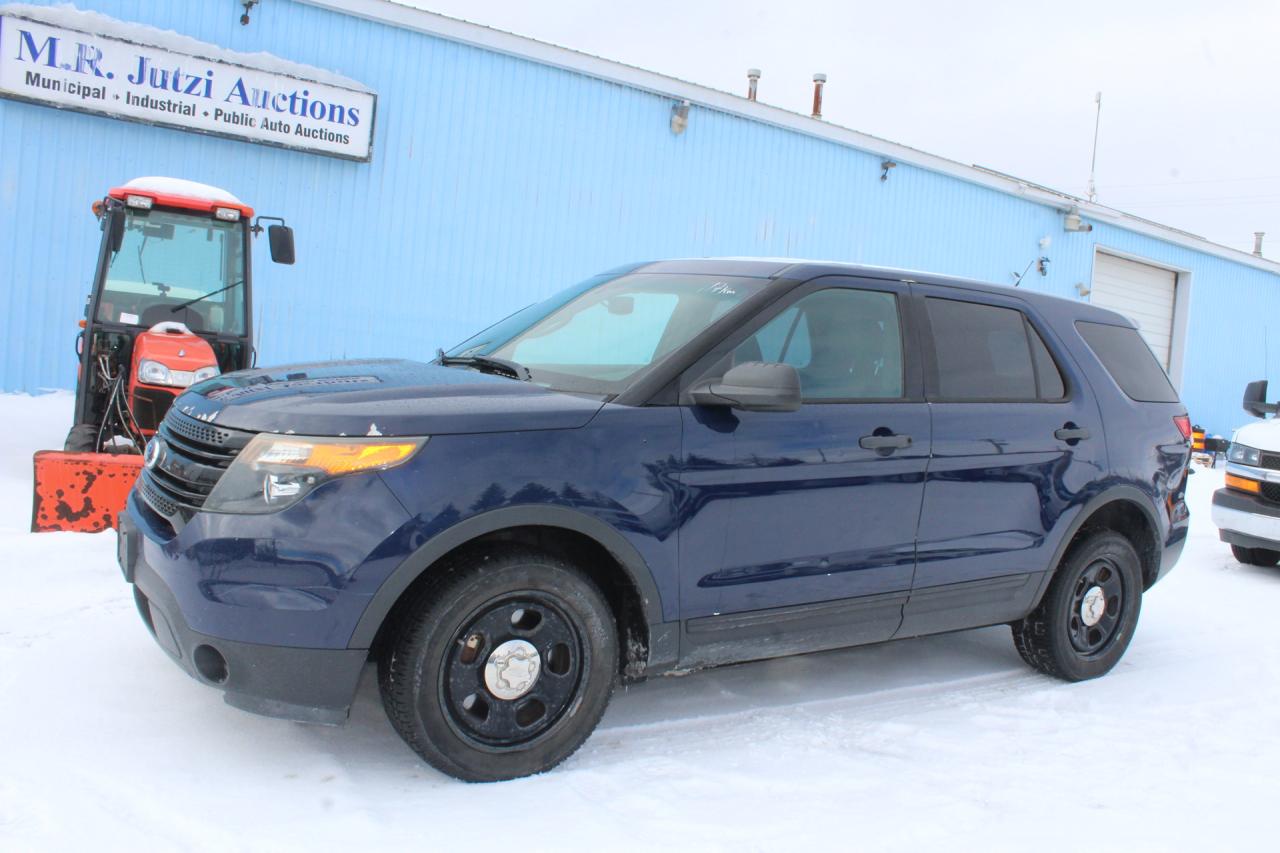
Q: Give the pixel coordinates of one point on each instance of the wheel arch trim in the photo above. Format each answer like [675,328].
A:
[1114,494]
[413,566]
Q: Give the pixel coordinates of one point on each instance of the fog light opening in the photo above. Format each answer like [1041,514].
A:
[210,663]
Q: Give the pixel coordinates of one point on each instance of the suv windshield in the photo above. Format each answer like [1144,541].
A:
[169,258]
[596,337]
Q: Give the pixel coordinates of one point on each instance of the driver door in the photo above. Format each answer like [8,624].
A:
[802,525]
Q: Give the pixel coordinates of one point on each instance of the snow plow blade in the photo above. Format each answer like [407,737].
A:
[81,491]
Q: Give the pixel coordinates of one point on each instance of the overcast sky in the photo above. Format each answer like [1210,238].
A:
[1191,95]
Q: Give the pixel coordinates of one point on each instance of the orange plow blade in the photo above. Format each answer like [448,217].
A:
[81,491]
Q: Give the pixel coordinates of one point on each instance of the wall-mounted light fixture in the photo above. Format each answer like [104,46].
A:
[1043,266]
[247,4]
[885,166]
[679,117]
[1083,289]
[1072,221]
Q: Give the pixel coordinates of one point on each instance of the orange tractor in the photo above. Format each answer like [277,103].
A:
[170,306]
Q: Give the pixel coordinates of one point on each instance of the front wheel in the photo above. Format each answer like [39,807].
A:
[500,666]
[1256,556]
[1085,621]
[83,438]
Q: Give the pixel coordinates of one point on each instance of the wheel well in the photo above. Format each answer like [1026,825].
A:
[1127,518]
[577,548]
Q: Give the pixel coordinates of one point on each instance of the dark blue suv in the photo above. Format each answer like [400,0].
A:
[669,466]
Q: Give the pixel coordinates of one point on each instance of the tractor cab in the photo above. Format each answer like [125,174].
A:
[171,305]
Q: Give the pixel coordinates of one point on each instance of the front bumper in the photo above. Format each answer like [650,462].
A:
[303,684]
[1245,520]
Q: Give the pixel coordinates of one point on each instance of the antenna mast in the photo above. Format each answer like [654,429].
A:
[1093,164]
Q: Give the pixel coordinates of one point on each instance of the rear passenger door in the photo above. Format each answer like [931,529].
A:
[1016,439]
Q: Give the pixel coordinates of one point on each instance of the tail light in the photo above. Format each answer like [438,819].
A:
[1183,423]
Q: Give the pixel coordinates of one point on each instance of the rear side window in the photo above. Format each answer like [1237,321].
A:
[1129,360]
[986,352]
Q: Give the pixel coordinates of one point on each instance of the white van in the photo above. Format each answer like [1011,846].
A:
[1247,509]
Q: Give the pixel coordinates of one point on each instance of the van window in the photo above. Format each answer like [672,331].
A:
[1130,362]
[983,352]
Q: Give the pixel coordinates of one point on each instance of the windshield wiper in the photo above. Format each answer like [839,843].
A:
[487,364]
[175,309]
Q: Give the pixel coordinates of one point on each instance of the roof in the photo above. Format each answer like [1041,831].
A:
[801,269]
[430,23]
[178,192]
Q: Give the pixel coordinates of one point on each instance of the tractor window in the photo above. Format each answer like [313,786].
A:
[170,259]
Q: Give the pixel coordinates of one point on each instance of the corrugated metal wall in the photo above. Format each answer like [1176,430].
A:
[496,180]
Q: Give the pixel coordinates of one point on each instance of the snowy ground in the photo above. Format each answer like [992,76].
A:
[942,743]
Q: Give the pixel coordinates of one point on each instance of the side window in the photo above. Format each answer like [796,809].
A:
[845,344]
[986,352]
[1129,361]
[1049,384]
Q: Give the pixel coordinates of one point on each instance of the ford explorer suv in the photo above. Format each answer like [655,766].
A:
[1247,509]
[669,466]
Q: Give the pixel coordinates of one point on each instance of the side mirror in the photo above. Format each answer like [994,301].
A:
[117,230]
[281,239]
[1255,399]
[753,386]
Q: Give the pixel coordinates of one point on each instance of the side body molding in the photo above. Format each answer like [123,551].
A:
[501,519]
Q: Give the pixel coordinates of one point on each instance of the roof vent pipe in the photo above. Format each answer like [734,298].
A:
[1257,242]
[753,77]
[818,80]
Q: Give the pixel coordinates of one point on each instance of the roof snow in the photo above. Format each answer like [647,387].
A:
[68,16]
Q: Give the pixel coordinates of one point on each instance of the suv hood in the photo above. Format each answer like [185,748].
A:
[380,397]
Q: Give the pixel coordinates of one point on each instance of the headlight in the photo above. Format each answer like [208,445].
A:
[274,471]
[153,373]
[1243,454]
[206,373]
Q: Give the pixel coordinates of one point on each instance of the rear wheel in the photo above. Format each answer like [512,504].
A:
[1256,556]
[83,438]
[501,666]
[1083,625]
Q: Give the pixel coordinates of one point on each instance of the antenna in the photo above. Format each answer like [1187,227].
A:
[1093,164]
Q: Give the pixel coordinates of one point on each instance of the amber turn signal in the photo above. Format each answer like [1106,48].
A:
[1243,484]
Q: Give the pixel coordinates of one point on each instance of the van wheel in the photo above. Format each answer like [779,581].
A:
[501,666]
[1087,618]
[1256,556]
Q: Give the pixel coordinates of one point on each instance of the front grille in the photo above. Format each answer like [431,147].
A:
[195,456]
[1269,460]
[1270,492]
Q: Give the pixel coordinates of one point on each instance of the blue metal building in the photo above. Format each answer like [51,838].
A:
[504,168]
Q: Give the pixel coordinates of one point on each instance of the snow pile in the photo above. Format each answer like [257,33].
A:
[944,743]
[68,16]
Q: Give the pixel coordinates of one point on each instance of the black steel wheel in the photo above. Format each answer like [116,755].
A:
[1087,617]
[499,666]
[512,671]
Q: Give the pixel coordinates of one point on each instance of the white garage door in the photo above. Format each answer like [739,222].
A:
[1141,292]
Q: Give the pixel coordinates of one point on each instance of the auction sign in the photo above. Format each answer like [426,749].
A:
[65,68]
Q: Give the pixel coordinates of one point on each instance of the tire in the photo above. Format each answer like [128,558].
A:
[1057,638]
[1256,556]
[454,651]
[83,438]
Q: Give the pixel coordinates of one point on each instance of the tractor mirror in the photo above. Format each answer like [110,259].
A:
[116,224]
[281,239]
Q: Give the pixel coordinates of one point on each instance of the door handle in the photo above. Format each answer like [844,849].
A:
[1070,433]
[884,442]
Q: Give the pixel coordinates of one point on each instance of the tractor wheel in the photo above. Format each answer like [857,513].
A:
[83,438]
